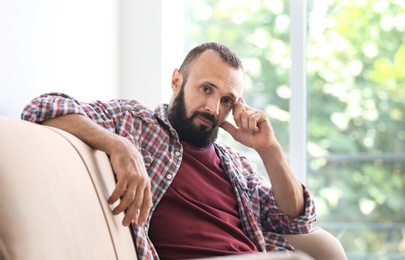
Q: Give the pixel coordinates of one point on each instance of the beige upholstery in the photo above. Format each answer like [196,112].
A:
[53,201]
[319,244]
[53,197]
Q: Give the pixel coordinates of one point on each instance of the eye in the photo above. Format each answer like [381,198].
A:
[206,89]
[227,101]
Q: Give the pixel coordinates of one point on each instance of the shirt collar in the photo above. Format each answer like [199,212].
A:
[161,114]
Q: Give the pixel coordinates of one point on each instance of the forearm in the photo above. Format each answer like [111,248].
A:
[287,190]
[53,105]
[86,130]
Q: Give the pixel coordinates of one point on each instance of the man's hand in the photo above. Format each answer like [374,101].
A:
[253,127]
[133,183]
[254,130]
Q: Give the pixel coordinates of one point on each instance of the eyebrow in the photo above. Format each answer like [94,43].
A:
[233,96]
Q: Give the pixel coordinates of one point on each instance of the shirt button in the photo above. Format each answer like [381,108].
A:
[169,176]
[177,154]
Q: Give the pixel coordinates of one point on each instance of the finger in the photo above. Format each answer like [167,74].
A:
[126,200]
[144,210]
[237,111]
[244,119]
[132,210]
[253,120]
[228,127]
[248,120]
[236,115]
[141,204]
[136,200]
[134,194]
[118,191]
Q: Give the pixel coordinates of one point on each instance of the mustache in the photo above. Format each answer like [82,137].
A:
[206,116]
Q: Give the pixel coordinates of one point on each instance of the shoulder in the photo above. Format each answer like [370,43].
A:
[130,106]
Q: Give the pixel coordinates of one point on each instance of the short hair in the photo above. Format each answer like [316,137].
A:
[224,52]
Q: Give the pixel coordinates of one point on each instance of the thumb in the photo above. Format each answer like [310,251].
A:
[230,128]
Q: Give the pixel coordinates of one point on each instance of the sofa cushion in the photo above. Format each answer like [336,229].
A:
[49,204]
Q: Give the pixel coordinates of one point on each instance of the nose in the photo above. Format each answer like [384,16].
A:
[212,106]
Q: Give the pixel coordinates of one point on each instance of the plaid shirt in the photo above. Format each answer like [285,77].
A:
[159,144]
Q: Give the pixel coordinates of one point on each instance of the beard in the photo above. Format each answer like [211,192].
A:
[188,131]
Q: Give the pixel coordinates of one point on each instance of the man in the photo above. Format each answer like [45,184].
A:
[188,196]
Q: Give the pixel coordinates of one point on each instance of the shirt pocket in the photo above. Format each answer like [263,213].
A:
[248,183]
[147,157]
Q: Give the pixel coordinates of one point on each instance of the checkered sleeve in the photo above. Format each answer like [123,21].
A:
[264,205]
[51,105]
[274,220]
[261,202]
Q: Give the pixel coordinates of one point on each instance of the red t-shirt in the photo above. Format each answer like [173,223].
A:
[198,215]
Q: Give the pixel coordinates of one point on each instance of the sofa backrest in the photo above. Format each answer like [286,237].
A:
[53,197]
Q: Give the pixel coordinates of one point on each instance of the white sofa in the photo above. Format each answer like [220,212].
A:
[53,201]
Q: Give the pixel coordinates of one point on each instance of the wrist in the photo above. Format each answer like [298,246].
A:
[111,143]
[272,149]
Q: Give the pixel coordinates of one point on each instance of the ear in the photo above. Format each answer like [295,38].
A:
[177,80]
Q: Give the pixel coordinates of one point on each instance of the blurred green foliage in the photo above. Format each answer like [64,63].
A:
[356,101]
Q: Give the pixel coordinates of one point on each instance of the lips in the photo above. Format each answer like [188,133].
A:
[205,121]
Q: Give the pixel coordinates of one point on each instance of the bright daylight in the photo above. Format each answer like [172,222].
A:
[202,129]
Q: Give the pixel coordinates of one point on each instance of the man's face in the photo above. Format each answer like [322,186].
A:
[202,101]
[197,135]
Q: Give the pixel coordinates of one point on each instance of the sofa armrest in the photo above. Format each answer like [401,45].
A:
[319,244]
[53,197]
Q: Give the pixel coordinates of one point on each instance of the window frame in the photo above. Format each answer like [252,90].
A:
[298,86]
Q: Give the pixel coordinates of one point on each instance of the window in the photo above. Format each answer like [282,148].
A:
[259,34]
[356,101]
[355,55]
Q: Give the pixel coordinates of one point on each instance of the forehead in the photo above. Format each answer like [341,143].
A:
[209,67]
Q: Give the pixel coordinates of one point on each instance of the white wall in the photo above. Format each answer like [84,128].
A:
[173,19]
[151,46]
[140,51]
[90,49]
[56,45]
